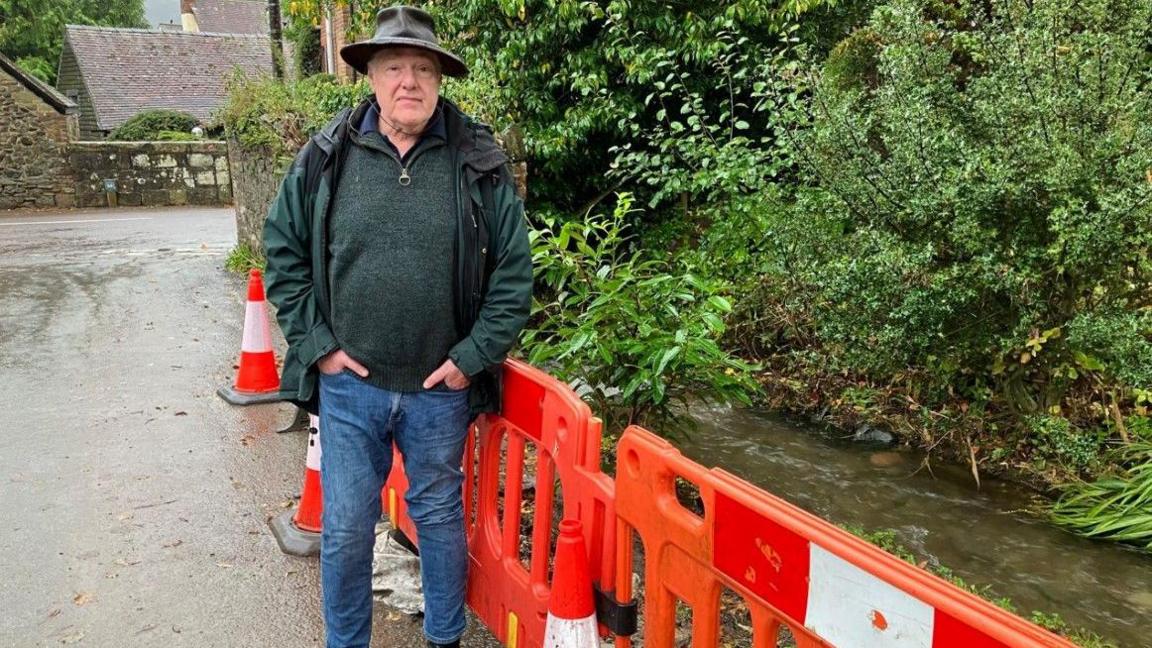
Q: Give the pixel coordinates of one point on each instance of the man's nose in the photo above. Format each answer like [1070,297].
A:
[408,78]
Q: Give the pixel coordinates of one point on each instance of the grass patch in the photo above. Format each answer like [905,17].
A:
[243,258]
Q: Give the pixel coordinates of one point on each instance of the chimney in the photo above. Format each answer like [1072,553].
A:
[188,15]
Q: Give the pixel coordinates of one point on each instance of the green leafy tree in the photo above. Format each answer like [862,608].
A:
[32,31]
[576,76]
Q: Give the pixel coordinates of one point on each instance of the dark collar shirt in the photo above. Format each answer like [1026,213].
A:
[371,124]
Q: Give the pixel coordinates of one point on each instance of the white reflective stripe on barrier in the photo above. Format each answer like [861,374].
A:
[847,606]
[257,332]
[313,460]
[571,633]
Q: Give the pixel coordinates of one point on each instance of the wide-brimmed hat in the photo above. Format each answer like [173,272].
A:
[402,26]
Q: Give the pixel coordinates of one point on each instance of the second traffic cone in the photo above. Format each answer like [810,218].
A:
[298,532]
[256,380]
[571,612]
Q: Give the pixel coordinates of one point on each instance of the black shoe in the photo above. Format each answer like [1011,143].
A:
[454,644]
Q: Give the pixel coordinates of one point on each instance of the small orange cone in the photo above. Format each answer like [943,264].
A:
[298,533]
[571,612]
[257,380]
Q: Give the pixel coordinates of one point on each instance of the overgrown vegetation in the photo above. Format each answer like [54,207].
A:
[1116,507]
[243,258]
[156,124]
[639,337]
[279,117]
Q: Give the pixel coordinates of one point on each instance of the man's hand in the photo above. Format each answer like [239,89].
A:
[338,361]
[450,375]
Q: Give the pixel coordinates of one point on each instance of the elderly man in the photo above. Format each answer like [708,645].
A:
[398,260]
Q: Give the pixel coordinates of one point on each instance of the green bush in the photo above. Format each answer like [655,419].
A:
[978,174]
[147,126]
[638,337]
[280,117]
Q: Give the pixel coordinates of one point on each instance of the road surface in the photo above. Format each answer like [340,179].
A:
[135,500]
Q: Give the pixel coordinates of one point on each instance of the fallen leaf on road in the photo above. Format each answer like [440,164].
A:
[224,565]
[287,504]
[126,562]
[82,598]
[54,612]
[174,543]
[72,638]
[247,439]
[181,413]
[124,516]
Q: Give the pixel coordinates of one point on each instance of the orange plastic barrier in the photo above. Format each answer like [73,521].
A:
[540,412]
[792,569]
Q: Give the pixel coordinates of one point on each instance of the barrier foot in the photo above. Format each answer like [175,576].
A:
[404,541]
[234,397]
[293,540]
[299,422]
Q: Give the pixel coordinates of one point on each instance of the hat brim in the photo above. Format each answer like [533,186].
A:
[358,54]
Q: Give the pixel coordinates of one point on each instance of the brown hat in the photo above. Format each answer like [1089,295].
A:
[402,26]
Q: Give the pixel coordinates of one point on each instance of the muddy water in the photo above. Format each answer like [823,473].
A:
[984,536]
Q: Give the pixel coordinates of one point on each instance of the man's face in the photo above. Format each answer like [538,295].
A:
[406,82]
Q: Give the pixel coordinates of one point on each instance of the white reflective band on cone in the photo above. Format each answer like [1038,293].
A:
[313,460]
[257,333]
[571,633]
[847,606]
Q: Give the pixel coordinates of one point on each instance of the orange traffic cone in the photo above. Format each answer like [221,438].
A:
[298,533]
[571,613]
[256,381]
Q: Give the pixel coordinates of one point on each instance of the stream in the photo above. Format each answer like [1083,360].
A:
[985,536]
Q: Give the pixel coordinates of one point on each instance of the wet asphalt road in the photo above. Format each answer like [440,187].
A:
[134,499]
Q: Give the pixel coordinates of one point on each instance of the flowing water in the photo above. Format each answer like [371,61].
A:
[985,536]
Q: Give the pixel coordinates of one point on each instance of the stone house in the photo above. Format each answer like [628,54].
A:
[36,124]
[114,73]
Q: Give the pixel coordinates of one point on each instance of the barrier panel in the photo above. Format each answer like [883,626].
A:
[793,570]
[540,412]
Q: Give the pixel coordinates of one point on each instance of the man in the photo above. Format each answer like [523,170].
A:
[398,260]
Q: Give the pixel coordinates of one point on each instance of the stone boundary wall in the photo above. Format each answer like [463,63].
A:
[151,173]
[256,176]
[34,140]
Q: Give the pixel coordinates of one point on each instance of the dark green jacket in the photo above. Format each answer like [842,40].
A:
[493,263]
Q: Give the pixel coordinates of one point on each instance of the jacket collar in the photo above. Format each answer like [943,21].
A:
[474,141]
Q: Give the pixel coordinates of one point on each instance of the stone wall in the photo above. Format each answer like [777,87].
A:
[33,143]
[256,176]
[151,173]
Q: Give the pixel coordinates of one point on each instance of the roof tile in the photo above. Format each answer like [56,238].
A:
[130,70]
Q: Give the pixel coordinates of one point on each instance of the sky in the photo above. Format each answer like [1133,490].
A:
[160,11]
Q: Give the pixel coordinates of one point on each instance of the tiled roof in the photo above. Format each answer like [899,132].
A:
[232,16]
[130,70]
[50,95]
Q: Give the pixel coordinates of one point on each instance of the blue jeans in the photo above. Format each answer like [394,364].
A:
[358,424]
